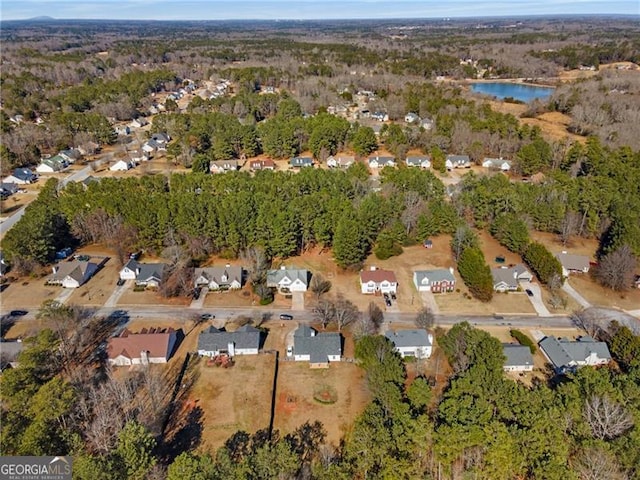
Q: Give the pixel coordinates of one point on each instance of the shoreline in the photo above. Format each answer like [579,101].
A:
[516,81]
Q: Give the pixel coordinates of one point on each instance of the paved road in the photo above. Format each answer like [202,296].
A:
[154,313]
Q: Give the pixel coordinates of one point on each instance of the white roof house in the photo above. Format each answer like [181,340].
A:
[411,343]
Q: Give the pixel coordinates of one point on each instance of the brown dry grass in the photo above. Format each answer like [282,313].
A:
[150,297]
[577,245]
[596,294]
[28,292]
[295,404]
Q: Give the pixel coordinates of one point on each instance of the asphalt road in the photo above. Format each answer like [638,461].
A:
[153,313]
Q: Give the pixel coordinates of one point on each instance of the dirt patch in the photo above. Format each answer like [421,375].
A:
[149,297]
[296,405]
[232,399]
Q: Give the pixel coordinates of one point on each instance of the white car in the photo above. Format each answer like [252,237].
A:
[290,351]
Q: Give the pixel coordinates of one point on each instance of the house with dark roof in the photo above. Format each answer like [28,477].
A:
[568,355]
[219,278]
[420,161]
[376,281]
[437,281]
[380,162]
[288,279]
[73,274]
[573,263]
[21,176]
[145,274]
[71,155]
[316,348]
[266,164]
[53,164]
[506,279]
[154,345]
[300,162]
[457,161]
[411,343]
[246,340]
[518,358]
[7,189]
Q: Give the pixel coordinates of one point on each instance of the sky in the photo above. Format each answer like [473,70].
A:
[303,9]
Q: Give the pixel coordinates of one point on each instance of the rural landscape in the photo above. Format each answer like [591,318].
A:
[346,249]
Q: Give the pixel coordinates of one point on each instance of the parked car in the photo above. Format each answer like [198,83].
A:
[120,282]
[387,302]
[393,296]
[290,351]
[286,316]
[18,313]
[195,294]
[529,292]
[135,255]
[207,316]
[385,295]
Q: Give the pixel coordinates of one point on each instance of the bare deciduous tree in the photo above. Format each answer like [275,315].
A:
[345,312]
[425,318]
[413,207]
[607,419]
[570,224]
[319,285]
[615,270]
[595,463]
[324,310]
[587,320]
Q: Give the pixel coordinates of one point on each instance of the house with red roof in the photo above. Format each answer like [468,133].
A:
[376,281]
[153,345]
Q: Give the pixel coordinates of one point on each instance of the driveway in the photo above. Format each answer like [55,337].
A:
[536,300]
[429,301]
[199,302]
[112,301]
[297,301]
[575,295]
[64,295]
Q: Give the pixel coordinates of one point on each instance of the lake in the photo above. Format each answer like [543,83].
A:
[501,90]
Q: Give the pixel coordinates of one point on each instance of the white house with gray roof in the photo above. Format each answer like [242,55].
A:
[572,263]
[411,343]
[518,358]
[567,355]
[145,274]
[457,161]
[380,162]
[288,279]
[437,281]
[219,278]
[506,279]
[73,274]
[497,164]
[421,161]
[316,348]
[246,340]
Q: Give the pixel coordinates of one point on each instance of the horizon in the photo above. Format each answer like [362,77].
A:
[172,10]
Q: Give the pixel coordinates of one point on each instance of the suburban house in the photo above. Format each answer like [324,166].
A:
[71,155]
[457,161]
[139,122]
[518,358]
[9,351]
[223,166]
[426,123]
[421,161]
[316,348]
[506,279]
[380,116]
[7,189]
[437,281]
[145,274]
[138,156]
[266,164]
[52,165]
[123,129]
[573,263]
[154,345]
[411,117]
[89,180]
[428,243]
[121,166]
[567,355]
[497,164]
[73,274]
[246,340]
[411,343]
[375,281]
[21,176]
[219,278]
[380,162]
[299,162]
[288,279]
[340,162]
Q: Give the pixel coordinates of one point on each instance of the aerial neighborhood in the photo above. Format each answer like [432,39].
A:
[322,249]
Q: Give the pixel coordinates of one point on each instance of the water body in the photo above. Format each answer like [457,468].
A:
[502,90]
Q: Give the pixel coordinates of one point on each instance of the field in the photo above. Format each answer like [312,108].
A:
[28,292]
[295,391]
[598,295]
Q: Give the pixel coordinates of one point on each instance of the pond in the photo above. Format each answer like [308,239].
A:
[518,91]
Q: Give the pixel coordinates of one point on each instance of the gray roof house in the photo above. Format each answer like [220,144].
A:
[288,279]
[497,164]
[219,278]
[146,274]
[316,348]
[73,274]
[437,281]
[573,263]
[9,351]
[299,162]
[457,161]
[223,166]
[246,340]
[21,176]
[411,343]
[421,161]
[507,279]
[518,358]
[567,355]
[380,162]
